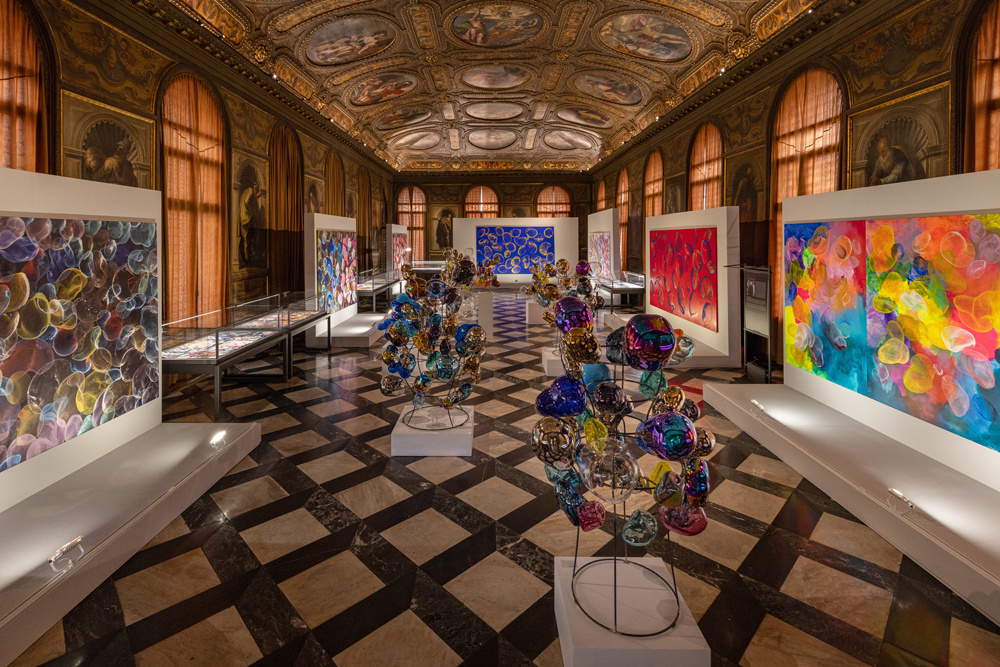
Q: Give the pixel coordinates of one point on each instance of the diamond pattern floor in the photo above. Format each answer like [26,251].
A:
[319,549]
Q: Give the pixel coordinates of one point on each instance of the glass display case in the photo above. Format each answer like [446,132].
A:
[372,283]
[630,284]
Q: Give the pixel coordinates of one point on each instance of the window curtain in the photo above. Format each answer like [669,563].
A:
[705,171]
[983,148]
[335,190]
[553,202]
[806,156]
[411,212]
[622,203]
[653,185]
[196,243]
[481,202]
[364,218]
[602,195]
[286,211]
[23,108]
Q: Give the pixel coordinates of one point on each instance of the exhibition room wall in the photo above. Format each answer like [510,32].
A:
[108,68]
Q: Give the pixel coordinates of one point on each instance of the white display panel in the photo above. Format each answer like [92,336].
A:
[950,195]
[715,348]
[29,194]
[566,238]
[315,222]
[605,222]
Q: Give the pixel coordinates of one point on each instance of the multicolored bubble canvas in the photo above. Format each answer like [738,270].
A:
[336,269]
[399,255]
[518,248]
[933,304]
[79,328]
[599,254]
[684,274]
[825,322]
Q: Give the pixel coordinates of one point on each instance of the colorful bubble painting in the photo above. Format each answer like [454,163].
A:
[399,255]
[599,254]
[684,274]
[925,340]
[519,248]
[79,329]
[205,348]
[336,269]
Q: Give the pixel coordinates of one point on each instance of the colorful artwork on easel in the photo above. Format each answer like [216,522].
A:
[925,338]
[518,248]
[599,254]
[399,254]
[684,274]
[79,333]
[336,269]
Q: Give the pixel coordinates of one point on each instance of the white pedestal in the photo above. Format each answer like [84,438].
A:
[533,313]
[644,605]
[411,441]
[484,308]
[551,362]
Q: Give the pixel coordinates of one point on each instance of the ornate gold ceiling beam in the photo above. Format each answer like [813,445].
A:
[299,14]
[699,10]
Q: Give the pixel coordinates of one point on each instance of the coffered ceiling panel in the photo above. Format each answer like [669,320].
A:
[432,84]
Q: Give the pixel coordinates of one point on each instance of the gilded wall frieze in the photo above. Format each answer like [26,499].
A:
[424,26]
[220,15]
[573,18]
[293,77]
[778,14]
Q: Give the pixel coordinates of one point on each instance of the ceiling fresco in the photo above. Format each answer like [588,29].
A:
[454,84]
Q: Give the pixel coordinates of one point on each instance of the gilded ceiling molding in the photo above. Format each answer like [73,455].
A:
[551,74]
[705,72]
[424,26]
[300,13]
[560,165]
[634,66]
[529,138]
[713,16]
[539,112]
[776,15]
[573,18]
[448,111]
[491,165]
[344,77]
[440,77]
[339,116]
[454,139]
[227,22]
[292,76]
[425,164]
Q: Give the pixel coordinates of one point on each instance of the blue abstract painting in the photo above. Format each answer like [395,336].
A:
[519,248]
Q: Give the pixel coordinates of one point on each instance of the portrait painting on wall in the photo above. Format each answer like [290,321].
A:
[684,274]
[498,76]
[496,25]
[251,215]
[441,227]
[745,184]
[647,36]
[516,211]
[101,143]
[348,39]
[336,269]
[314,195]
[609,87]
[517,248]
[77,353]
[380,88]
[674,194]
[903,140]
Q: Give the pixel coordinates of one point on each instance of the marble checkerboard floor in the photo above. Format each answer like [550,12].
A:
[319,549]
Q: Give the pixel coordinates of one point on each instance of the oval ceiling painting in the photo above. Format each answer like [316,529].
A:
[565,140]
[418,140]
[380,88]
[495,77]
[494,110]
[348,39]
[609,87]
[492,140]
[403,116]
[496,25]
[584,116]
[647,36]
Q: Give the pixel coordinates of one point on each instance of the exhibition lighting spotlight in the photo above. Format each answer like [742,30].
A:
[217,438]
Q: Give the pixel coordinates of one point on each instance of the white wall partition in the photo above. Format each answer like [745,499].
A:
[27,194]
[566,238]
[317,222]
[713,348]
[605,222]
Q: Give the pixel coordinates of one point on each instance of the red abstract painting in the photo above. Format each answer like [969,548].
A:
[684,274]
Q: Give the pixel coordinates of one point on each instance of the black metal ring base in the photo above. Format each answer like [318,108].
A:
[409,417]
[666,584]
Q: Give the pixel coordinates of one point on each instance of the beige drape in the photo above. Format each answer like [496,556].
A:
[553,202]
[984,138]
[652,185]
[335,189]
[482,202]
[622,203]
[286,210]
[411,212]
[23,112]
[602,196]
[705,170]
[196,243]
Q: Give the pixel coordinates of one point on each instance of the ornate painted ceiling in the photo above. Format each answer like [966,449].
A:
[443,84]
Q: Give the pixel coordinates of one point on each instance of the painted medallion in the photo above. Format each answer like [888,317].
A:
[647,36]
[349,39]
[380,88]
[609,87]
[496,25]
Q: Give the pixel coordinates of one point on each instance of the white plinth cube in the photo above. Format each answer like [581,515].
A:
[533,313]
[415,441]
[551,363]
[644,605]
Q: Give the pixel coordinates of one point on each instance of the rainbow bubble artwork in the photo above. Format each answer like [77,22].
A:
[336,269]
[928,343]
[518,248]
[79,328]
[399,255]
[599,254]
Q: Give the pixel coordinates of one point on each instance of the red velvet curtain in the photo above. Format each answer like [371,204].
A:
[197,252]
[705,170]
[23,112]
[286,210]
[984,139]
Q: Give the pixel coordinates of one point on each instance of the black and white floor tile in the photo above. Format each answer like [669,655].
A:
[320,549]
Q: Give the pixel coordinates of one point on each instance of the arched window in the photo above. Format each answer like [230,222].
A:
[23,99]
[805,153]
[285,209]
[335,188]
[621,202]
[602,195]
[481,202]
[705,169]
[984,106]
[553,202]
[652,185]
[411,212]
[196,243]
